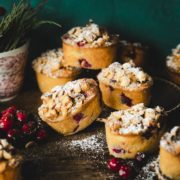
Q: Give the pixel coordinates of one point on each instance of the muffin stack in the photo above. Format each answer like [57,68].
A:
[89,47]
[72,106]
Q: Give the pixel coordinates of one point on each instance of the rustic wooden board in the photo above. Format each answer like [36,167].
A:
[84,155]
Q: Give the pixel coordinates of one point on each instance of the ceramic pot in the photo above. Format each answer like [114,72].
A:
[12,64]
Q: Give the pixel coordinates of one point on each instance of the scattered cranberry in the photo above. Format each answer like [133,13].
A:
[41,134]
[20,128]
[84,63]
[114,164]
[78,117]
[81,43]
[6,123]
[13,134]
[21,116]
[2,11]
[11,110]
[126,100]
[140,156]
[125,172]
[29,127]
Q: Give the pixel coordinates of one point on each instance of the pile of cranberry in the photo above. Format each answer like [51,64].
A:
[21,128]
[126,171]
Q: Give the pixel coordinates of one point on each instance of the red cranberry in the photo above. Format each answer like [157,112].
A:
[114,164]
[2,11]
[65,36]
[120,150]
[140,156]
[81,43]
[41,134]
[6,123]
[126,100]
[21,116]
[13,134]
[84,63]
[29,128]
[125,172]
[10,110]
[78,117]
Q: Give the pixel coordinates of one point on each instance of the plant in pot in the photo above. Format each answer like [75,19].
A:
[15,30]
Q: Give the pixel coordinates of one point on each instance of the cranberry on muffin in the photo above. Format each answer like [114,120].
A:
[134,130]
[173,65]
[72,107]
[124,85]
[50,70]
[90,47]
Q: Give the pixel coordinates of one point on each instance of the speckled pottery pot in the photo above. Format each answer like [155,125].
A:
[12,65]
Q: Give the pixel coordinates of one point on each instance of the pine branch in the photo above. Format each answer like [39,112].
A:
[16,27]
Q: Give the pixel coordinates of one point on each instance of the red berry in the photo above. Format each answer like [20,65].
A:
[81,43]
[66,36]
[84,63]
[11,110]
[125,172]
[41,134]
[126,100]
[21,116]
[140,156]
[78,117]
[13,133]
[114,164]
[29,128]
[26,129]
[6,123]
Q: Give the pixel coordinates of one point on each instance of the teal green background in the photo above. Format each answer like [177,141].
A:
[155,23]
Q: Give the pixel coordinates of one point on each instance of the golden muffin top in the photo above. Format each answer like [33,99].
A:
[173,61]
[51,64]
[67,99]
[8,156]
[171,141]
[125,76]
[91,35]
[136,120]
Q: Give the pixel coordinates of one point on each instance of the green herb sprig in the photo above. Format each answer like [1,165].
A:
[16,27]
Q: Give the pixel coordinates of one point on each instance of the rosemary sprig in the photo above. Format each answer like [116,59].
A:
[16,27]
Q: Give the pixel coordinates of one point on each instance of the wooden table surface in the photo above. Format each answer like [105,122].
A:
[83,155]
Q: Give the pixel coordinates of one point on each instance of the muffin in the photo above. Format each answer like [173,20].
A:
[134,130]
[72,107]
[124,85]
[169,157]
[132,51]
[89,47]
[10,162]
[51,72]
[173,65]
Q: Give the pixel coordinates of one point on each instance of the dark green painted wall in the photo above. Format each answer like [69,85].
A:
[153,22]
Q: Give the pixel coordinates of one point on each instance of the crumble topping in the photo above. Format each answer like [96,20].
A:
[89,36]
[68,98]
[171,140]
[8,156]
[173,61]
[136,120]
[124,75]
[51,64]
